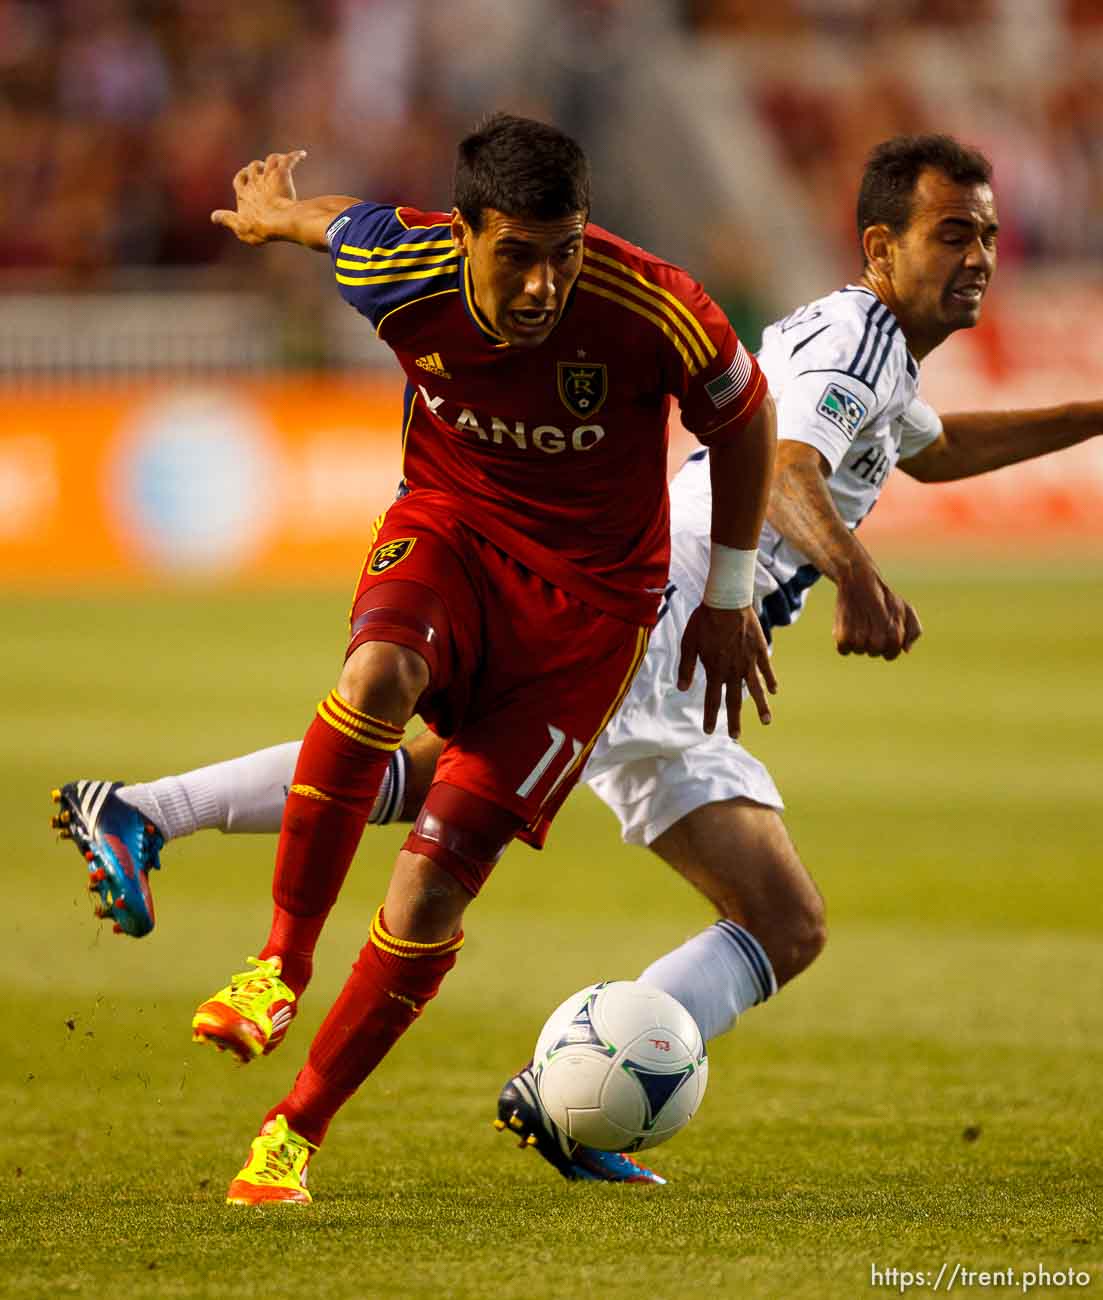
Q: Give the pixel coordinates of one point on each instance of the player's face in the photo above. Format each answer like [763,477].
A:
[942,263]
[522,270]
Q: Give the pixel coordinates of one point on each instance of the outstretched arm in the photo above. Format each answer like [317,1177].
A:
[268,208]
[870,618]
[978,441]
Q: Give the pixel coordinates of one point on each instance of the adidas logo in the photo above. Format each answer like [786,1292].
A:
[433,364]
[91,796]
[280,1021]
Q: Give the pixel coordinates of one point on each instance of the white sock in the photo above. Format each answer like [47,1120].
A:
[716,976]
[241,794]
[392,793]
[245,795]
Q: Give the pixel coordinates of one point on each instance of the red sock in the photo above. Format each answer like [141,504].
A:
[340,769]
[389,986]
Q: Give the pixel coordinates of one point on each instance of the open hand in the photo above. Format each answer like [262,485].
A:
[731,645]
[265,190]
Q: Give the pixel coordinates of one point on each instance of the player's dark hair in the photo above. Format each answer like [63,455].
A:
[892,173]
[520,167]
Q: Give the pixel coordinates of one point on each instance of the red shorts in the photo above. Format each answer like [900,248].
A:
[524,676]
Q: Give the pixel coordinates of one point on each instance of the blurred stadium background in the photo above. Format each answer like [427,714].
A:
[194,437]
[177,404]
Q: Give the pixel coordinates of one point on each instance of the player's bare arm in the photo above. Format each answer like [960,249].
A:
[269,209]
[729,641]
[977,442]
[870,618]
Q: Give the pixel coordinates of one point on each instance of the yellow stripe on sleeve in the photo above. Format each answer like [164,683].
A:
[426,259]
[399,250]
[448,269]
[679,307]
[651,301]
[591,287]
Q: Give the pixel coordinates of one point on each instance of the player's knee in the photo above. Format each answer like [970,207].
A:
[796,936]
[409,616]
[463,834]
[790,923]
[806,935]
[383,679]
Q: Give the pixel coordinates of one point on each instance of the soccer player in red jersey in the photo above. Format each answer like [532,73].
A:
[704,805]
[509,591]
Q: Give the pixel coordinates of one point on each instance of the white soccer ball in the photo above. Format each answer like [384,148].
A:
[620,1066]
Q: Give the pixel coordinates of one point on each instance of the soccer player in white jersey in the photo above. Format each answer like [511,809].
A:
[844,372]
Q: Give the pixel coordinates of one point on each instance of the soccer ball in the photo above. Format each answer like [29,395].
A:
[620,1066]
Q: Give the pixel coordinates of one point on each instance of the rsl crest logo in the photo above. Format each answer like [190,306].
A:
[388,554]
[583,387]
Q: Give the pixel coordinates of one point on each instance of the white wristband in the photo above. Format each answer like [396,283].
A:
[730,582]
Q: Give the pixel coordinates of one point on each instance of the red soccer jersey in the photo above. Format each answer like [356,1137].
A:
[556,453]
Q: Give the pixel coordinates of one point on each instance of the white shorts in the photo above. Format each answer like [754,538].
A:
[654,764]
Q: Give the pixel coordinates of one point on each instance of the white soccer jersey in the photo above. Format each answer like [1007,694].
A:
[844,382]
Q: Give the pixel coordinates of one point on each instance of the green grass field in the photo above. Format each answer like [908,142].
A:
[929,1092]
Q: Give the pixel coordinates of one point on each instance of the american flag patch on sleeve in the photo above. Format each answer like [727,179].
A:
[726,387]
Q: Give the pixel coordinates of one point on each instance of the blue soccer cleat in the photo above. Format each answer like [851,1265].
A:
[120,846]
[521,1113]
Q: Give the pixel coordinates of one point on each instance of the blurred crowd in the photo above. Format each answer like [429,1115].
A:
[123,121]
[1022,79]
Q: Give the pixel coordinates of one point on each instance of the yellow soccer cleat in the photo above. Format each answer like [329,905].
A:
[275,1173]
[251,1015]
